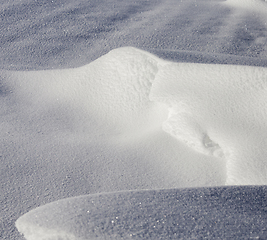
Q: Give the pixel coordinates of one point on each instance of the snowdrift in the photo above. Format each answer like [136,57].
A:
[128,95]
[217,112]
[197,213]
[128,120]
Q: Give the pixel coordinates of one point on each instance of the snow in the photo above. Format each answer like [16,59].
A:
[212,213]
[113,89]
[249,5]
[112,96]
[133,95]
[218,110]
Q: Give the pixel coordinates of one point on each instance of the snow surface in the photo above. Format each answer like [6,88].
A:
[258,6]
[217,110]
[128,94]
[82,121]
[197,213]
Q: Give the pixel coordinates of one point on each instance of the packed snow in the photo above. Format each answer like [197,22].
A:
[129,96]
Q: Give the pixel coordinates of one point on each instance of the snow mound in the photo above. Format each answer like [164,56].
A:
[114,88]
[188,122]
[100,119]
[217,110]
[214,213]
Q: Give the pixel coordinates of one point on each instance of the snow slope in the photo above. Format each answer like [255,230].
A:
[217,110]
[193,213]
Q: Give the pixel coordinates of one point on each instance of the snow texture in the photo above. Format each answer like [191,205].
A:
[217,110]
[197,213]
[109,95]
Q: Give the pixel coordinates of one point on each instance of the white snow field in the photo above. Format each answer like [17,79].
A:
[147,108]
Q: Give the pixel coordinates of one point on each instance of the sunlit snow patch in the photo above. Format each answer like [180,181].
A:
[197,213]
[113,90]
[218,110]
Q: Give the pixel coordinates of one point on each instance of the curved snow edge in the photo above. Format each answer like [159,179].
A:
[122,215]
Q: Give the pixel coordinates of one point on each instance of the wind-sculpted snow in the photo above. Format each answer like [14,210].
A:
[103,124]
[114,89]
[219,110]
[193,124]
[197,213]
